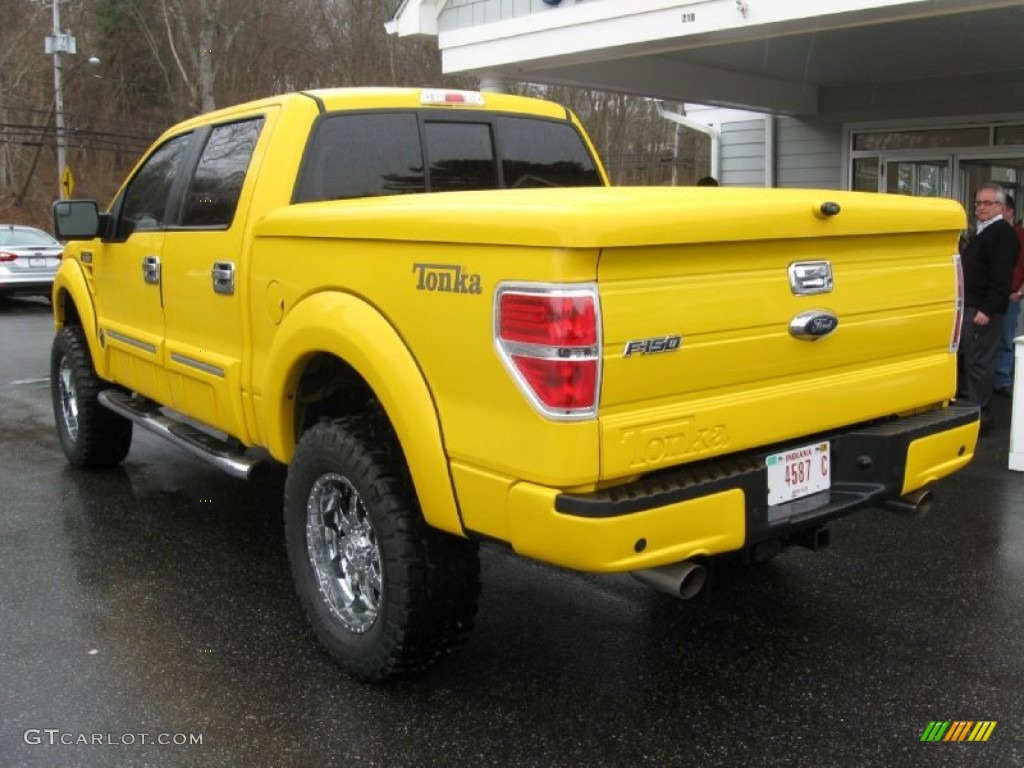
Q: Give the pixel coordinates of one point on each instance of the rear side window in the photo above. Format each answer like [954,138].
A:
[382,153]
[363,155]
[213,193]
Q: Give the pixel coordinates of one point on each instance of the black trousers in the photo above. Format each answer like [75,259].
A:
[976,361]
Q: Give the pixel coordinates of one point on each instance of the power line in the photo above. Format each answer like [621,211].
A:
[139,130]
[77,138]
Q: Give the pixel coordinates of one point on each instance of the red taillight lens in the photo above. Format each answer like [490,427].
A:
[560,384]
[550,340]
[6,256]
[551,320]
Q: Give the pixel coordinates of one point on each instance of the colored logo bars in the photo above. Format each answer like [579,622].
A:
[958,730]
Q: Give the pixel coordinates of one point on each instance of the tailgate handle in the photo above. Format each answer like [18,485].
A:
[807,278]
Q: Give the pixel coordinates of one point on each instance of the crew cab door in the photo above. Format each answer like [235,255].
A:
[127,273]
[203,260]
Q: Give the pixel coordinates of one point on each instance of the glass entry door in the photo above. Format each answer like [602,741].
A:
[920,178]
[1005,171]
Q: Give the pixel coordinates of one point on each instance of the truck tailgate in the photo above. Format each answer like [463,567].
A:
[722,342]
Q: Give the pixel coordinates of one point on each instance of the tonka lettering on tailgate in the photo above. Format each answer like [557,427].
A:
[664,443]
[446,278]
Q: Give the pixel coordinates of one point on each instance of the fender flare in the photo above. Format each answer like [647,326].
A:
[347,327]
[70,279]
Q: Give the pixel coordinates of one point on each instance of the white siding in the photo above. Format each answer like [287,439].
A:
[808,154]
[742,159]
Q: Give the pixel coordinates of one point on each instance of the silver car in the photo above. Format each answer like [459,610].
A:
[29,258]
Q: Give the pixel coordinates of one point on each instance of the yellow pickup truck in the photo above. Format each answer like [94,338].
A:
[433,309]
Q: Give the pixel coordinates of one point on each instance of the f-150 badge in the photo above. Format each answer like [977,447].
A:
[652,346]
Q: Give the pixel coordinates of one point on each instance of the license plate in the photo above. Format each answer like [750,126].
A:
[798,472]
[37,262]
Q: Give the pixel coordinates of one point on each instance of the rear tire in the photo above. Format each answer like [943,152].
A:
[91,436]
[385,593]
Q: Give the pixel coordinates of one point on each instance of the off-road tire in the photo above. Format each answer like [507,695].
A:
[91,436]
[385,593]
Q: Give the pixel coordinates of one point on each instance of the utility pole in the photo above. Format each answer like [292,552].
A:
[58,44]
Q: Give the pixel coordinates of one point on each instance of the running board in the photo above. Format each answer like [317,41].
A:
[226,455]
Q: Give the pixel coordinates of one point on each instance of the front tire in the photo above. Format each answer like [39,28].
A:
[385,593]
[91,436]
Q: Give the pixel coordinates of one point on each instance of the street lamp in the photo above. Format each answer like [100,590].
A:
[58,44]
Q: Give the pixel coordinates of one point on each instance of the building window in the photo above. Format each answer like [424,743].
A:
[1007,135]
[865,174]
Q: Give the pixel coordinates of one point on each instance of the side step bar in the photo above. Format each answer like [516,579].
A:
[228,456]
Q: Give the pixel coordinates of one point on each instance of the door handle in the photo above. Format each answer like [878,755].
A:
[151,270]
[223,276]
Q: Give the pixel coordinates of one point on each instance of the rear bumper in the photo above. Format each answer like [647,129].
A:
[26,285]
[721,505]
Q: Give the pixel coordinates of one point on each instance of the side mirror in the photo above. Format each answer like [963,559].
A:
[76,220]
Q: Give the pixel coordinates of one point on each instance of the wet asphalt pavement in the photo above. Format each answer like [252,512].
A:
[148,619]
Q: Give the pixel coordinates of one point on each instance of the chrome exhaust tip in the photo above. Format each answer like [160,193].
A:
[916,504]
[683,580]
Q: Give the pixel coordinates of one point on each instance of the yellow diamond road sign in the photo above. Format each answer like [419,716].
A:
[67,182]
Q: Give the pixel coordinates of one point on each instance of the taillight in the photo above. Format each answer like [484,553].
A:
[7,256]
[549,338]
[958,315]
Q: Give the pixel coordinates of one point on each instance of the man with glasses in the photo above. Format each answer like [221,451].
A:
[988,261]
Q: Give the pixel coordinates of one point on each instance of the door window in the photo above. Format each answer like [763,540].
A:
[920,178]
[146,198]
[213,193]
[1005,171]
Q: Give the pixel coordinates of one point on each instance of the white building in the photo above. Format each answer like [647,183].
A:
[914,96]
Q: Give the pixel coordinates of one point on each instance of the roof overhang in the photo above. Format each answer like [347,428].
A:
[415,17]
[790,57]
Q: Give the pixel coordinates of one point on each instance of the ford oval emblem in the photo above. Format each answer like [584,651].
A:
[813,325]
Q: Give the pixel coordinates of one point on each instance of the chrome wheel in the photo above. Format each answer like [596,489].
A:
[385,593]
[68,397]
[91,436]
[343,551]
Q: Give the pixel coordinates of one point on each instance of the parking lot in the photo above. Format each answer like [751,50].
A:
[149,619]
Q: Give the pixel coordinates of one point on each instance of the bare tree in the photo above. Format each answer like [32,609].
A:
[164,60]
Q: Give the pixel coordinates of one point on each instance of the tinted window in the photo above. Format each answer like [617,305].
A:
[368,155]
[537,153]
[363,155]
[461,156]
[213,193]
[145,200]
